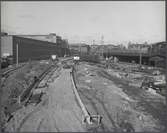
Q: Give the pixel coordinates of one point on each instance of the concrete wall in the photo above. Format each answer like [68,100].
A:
[6,45]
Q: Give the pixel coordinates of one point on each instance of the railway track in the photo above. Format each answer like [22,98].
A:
[27,93]
[43,81]
[46,78]
[37,108]
[25,98]
[9,71]
[97,103]
[93,121]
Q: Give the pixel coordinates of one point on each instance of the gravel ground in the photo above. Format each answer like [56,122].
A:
[115,100]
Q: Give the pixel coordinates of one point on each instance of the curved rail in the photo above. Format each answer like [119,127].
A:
[87,117]
[7,72]
[85,112]
[26,94]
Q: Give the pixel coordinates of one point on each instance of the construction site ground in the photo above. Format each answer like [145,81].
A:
[116,99]
[103,91]
[58,110]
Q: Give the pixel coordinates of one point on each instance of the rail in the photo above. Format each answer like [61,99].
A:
[87,117]
[5,73]
[26,94]
[86,114]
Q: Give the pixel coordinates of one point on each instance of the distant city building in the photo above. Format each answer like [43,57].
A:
[80,47]
[64,43]
[157,53]
[4,34]
[105,48]
[52,37]
[94,46]
[158,49]
[58,40]
[138,47]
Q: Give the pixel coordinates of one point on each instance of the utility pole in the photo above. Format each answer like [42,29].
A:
[80,50]
[140,56]
[17,54]
[102,42]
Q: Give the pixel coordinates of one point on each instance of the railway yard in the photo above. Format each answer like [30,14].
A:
[63,96]
[83,67]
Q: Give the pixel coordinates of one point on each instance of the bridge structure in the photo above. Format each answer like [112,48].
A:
[127,53]
[141,57]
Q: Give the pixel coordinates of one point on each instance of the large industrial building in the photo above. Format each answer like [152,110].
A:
[32,47]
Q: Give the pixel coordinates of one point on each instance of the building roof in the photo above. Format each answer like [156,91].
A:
[52,37]
[39,37]
[159,43]
[78,44]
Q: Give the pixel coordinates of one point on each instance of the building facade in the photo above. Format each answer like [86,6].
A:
[6,45]
[139,47]
[158,53]
[79,48]
[24,48]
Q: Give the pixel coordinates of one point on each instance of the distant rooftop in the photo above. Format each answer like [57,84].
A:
[78,44]
[48,37]
[37,37]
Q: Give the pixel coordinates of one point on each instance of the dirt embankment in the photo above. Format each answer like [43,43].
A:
[117,102]
[16,83]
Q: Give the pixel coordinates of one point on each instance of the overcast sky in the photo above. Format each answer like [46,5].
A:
[118,22]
